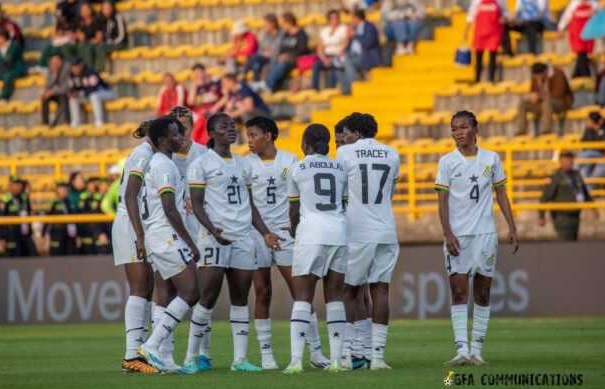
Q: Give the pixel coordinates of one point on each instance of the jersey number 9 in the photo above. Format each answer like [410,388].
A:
[328,190]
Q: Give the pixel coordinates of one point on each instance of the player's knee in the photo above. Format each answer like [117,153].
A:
[459,295]
[481,297]
[191,295]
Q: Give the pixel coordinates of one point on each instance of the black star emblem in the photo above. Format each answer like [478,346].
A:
[233,179]
[271,181]
[336,334]
[302,334]
[474,178]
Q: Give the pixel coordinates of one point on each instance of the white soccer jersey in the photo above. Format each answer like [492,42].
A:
[226,183]
[269,182]
[136,164]
[372,169]
[469,182]
[320,184]
[163,176]
[182,161]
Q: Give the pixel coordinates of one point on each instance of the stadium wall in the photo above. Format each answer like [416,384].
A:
[543,279]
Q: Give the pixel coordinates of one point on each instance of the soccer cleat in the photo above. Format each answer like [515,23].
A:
[477,360]
[204,363]
[170,366]
[357,363]
[189,366]
[294,368]
[368,362]
[335,367]
[379,364]
[458,360]
[138,365]
[268,362]
[151,356]
[244,365]
[318,360]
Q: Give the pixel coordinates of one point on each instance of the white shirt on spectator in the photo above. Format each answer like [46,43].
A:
[334,40]
[569,11]
[473,9]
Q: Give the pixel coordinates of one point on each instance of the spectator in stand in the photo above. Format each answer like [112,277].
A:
[12,65]
[594,132]
[116,34]
[268,48]
[293,44]
[243,46]
[171,95]
[550,93]
[364,50]
[85,84]
[530,19]
[203,94]
[239,101]
[77,184]
[14,31]
[90,38]
[331,48]
[402,23]
[488,17]
[56,89]
[67,11]
[61,238]
[62,42]
[574,18]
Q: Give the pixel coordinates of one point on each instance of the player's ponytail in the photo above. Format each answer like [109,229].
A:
[317,137]
[143,129]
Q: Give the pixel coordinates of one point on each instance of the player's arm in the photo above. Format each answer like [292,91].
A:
[443,194]
[133,186]
[271,239]
[505,207]
[294,200]
[174,218]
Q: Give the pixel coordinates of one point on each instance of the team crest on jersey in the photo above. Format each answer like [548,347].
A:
[284,173]
[487,171]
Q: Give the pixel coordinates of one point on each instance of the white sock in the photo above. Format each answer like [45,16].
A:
[134,320]
[240,327]
[197,329]
[166,345]
[357,344]
[379,340]
[167,348]
[312,338]
[205,346]
[336,321]
[459,323]
[299,325]
[156,318]
[173,314]
[263,334]
[148,319]
[480,320]
[367,338]
[348,340]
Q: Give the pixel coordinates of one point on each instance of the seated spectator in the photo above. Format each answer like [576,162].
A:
[243,46]
[90,38]
[116,34]
[203,94]
[550,93]
[62,42]
[293,44]
[600,89]
[403,22]
[239,101]
[12,65]
[67,11]
[364,50]
[55,90]
[531,17]
[331,48]
[268,48]
[594,132]
[13,29]
[85,84]
[574,18]
[171,95]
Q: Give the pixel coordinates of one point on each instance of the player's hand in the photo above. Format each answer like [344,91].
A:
[542,221]
[513,239]
[103,239]
[195,254]
[2,245]
[188,206]
[217,233]
[452,244]
[140,245]
[272,240]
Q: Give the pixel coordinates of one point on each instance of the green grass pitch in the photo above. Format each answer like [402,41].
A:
[88,356]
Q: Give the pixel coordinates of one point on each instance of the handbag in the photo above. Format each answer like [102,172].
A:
[462,56]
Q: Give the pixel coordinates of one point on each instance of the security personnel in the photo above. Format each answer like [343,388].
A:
[17,239]
[62,236]
[566,186]
[101,230]
[89,203]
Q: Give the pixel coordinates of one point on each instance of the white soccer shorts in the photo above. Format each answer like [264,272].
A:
[237,255]
[478,254]
[167,255]
[123,240]
[368,263]
[318,259]
[267,257]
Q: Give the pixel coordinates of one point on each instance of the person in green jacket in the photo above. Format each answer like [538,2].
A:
[12,65]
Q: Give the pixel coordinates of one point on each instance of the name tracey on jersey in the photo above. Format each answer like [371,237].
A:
[372,153]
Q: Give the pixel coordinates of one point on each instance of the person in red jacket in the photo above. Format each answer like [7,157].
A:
[576,15]
[171,94]
[243,46]
[488,17]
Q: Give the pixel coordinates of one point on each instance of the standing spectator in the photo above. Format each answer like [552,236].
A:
[293,44]
[594,132]
[331,48]
[364,49]
[203,94]
[239,101]
[85,84]
[566,186]
[55,90]
[77,185]
[488,17]
[16,240]
[11,64]
[14,31]
[61,237]
[115,32]
[403,22]
[268,48]
[62,42]
[171,94]
[530,19]
[550,93]
[574,18]
[243,46]
[89,35]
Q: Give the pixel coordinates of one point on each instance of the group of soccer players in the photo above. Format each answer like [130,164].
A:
[191,215]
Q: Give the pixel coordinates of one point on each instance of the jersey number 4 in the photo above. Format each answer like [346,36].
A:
[474,195]
[378,167]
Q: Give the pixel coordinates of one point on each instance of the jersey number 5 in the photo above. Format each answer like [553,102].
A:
[321,190]
[385,169]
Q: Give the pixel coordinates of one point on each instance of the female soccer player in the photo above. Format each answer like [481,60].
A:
[269,169]
[129,251]
[317,185]
[171,249]
[219,183]
[465,180]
